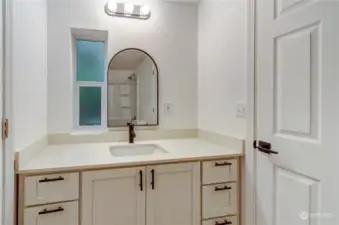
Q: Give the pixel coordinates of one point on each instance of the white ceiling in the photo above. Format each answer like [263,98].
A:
[127,60]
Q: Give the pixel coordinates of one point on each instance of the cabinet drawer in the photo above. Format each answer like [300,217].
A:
[56,214]
[220,171]
[219,200]
[228,220]
[51,188]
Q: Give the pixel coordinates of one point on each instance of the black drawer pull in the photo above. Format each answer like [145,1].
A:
[45,211]
[224,223]
[222,188]
[223,164]
[51,180]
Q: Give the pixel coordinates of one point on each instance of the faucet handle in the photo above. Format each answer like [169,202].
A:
[134,118]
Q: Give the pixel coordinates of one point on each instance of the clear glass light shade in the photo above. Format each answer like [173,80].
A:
[129,8]
[112,6]
[145,10]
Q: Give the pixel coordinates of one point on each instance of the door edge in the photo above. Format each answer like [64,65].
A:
[248,201]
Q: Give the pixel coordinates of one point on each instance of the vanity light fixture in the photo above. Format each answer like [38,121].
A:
[112,6]
[145,10]
[128,10]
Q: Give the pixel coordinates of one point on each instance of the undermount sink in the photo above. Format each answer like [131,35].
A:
[135,150]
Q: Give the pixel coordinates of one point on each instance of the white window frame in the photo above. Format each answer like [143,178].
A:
[96,36]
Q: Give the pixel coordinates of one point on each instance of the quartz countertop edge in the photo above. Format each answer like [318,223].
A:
[92,156]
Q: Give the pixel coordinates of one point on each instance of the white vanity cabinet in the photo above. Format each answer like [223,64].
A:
[119,195]
[201,192]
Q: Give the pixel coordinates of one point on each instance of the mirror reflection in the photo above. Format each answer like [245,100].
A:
[132,89]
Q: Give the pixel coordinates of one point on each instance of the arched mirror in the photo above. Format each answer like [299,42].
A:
[132,89]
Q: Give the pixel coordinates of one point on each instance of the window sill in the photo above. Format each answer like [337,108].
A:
[97,131]
[89,131]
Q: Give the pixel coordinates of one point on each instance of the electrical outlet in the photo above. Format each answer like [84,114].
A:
[241,110]
[168,107]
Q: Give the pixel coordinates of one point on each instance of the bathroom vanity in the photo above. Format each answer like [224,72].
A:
[166,182]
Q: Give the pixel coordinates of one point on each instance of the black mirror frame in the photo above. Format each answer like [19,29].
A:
[157,82]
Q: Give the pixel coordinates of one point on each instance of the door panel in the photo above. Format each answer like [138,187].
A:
[285,6]
[303,190]
[297,49]
[113,197]
[297,71]
[175,198]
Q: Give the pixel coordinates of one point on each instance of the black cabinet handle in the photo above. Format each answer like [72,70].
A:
[222,188]
[51,180]
[141,181]
[223,223]
[45,211]
[152,182]
[223,164]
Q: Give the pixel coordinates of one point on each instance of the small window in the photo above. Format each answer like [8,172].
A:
[90,82]
[90,106]
[90,61]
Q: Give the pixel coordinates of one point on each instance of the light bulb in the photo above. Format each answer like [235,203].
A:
[112,6]
[145,10]
[129,8]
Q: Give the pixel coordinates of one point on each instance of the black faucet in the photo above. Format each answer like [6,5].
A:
[131,132]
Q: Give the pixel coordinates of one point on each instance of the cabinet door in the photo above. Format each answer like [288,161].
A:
[113,197]
[173,194]
[56,214]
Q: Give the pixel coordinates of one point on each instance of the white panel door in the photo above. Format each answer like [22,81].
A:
[173,194]
[113,197]
[298,112]
[2,164]
[7,188]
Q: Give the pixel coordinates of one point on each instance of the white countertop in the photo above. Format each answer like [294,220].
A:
[58,158]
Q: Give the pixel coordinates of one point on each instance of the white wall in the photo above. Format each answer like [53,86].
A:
[29,72]
[120,76]
[170,36]
[221,65]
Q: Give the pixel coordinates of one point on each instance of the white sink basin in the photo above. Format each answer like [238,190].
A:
[135,150]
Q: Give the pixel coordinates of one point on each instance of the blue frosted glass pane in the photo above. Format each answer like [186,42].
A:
[90,106]
[90,61]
